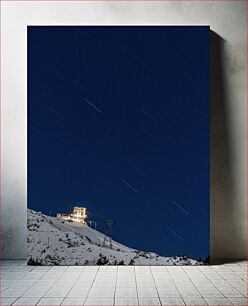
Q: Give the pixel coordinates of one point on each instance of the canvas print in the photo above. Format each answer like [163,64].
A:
[118,145]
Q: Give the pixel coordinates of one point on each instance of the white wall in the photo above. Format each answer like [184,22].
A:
[228,105]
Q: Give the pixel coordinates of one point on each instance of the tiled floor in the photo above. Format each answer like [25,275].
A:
[123,285]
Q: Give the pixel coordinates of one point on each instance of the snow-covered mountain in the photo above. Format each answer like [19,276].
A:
[56,242]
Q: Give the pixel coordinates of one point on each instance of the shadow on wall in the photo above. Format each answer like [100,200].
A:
[223,228]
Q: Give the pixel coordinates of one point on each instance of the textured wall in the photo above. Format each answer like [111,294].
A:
[228,104]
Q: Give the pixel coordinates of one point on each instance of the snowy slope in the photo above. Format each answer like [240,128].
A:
[52,242]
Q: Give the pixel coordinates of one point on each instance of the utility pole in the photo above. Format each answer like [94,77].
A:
[108,233]
[92,222]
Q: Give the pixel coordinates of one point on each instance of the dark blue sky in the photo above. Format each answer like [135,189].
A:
[118,121]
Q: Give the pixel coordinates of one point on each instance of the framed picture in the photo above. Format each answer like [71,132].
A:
[118,145]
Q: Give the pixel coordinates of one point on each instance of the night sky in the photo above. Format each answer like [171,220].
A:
[118,122]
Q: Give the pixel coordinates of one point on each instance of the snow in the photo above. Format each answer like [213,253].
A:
[57,242]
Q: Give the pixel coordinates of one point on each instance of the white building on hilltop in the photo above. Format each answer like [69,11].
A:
[79,215]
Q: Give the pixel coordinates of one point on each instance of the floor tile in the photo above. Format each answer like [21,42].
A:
[103,283]
[238,301]
[50,301]
[149,301]
[194,301]
[121,301]
[217,301]
[73,301]
[192,292]
[164,292]
[126,292]
[38,290]
[58,291]
[99,301]
[125,283]
[26,301]
[165,284]
[79,291]
[210,292]
[147,292]
[230,292]
[12,293]
[145,283]
[101,292]
[75,269]
[7,301]
[166,301]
